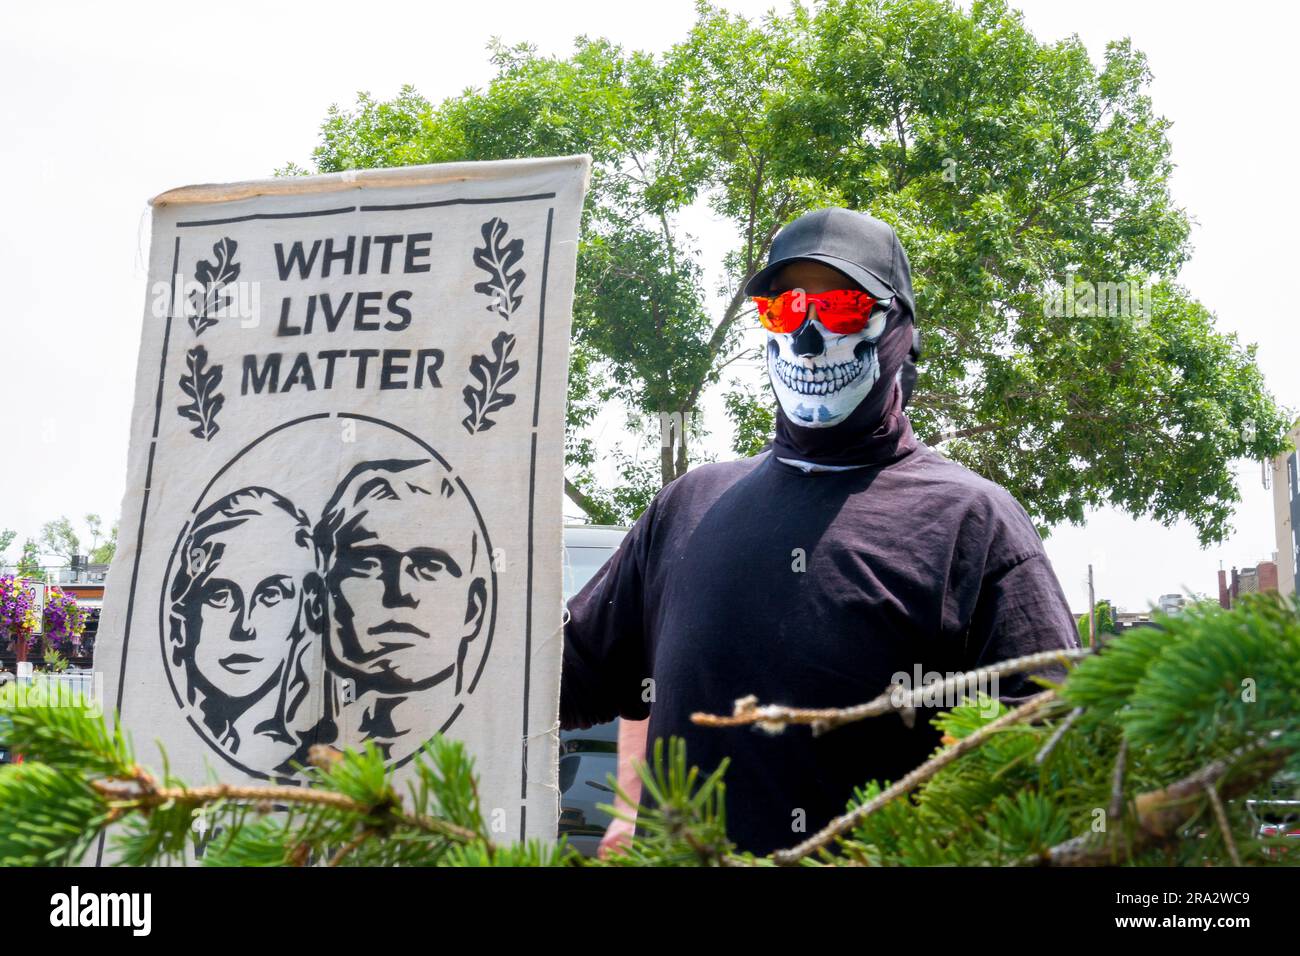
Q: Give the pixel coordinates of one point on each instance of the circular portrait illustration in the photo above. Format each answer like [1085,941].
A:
[341,608]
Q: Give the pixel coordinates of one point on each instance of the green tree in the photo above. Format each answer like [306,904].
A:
[753,417]
[6,538]
[1013,170]
[95,525]
[60,538]
[29,565]
[101,552]
[1103,620]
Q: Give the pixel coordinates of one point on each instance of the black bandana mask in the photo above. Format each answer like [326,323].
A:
[877,429]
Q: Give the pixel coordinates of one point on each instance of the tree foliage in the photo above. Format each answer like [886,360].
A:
[1013,169]
[753,419]
[60,537]
[101,552]
[1103,620]
[29,564]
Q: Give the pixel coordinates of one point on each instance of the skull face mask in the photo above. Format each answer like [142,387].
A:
[821,376]
[836,301]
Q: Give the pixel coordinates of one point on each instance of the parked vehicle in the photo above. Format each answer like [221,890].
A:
[1278,814]
[587,757]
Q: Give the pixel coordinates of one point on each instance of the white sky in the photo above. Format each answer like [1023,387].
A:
[104,105]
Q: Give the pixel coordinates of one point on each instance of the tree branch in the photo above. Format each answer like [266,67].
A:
[1028,709]
[1161,814]
[775,717]
[141,794]
[965,433]
[719,335]
[581,499]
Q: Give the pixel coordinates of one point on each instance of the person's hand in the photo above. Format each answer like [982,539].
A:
[631,750]
[618,835]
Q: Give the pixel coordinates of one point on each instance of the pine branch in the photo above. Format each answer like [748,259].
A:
[1029,709]
[680,823]
[1221,817]
[1161,814]
[1055,739]
[1208,701]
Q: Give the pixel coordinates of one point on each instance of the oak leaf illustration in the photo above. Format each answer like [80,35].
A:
[497,258]
[492,373]
[214,276]
[200,383]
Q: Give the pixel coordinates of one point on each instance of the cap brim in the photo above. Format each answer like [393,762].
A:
[874,286]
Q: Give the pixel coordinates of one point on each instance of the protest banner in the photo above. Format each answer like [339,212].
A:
[342,519]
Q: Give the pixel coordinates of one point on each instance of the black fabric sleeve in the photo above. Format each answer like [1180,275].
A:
[605,654]
[1020,610]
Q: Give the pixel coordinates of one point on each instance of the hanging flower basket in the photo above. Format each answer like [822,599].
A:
[17,616]
[64,619]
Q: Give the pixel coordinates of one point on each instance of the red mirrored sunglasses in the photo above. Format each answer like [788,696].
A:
[842,311]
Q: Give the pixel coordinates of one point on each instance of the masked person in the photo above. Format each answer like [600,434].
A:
[817,572]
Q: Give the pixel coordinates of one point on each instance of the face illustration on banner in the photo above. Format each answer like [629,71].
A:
[406,596]
[247,620]
[240,616]
[368,624]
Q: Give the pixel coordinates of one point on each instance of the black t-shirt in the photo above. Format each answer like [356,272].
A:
[810,590]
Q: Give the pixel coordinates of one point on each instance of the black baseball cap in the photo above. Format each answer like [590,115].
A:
[861,246]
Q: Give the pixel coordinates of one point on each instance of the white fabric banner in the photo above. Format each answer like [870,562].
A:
[342,521]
